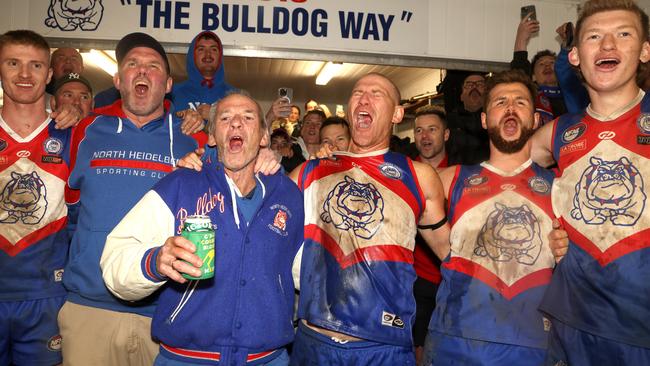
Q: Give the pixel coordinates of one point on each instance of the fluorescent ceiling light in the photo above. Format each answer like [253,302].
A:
[102,60]
[328,71]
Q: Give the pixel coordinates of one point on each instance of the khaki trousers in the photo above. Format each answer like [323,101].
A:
[93,336]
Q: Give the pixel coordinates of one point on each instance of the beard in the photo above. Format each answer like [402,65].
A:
[509,147]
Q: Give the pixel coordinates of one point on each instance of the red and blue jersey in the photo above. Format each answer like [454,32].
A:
[500,261]
[601,286]
[357,268]
[33,236]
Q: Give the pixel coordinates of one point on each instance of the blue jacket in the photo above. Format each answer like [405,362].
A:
[248,306]
[116,164]
[196,90]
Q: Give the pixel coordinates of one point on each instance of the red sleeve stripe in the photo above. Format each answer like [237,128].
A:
[133,164]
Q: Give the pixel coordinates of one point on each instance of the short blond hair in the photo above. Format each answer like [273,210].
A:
[592,7]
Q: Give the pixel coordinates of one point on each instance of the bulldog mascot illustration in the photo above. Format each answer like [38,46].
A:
[24,199]
[354,206]
[510,232]
[68,15]
[609,190]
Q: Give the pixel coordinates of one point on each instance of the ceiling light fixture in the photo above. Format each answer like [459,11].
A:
[102,60]
[330,70]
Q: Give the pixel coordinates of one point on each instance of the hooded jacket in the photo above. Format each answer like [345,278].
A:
[114,163]
[196,89]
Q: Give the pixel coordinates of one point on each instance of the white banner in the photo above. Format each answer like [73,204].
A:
[333,25]
[478,30]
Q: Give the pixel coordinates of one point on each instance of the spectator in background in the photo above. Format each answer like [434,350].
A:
[335,132]
[205,82]
[574,93]
[294,119]
[309,140]
[430,133]
[65,61]
[73,89]
[282,144]
[468,141]
[310,105]
[548,102]
[325,110]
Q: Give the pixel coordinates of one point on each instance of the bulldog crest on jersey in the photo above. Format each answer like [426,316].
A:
[609,190]
[510,233]
[23,198]
[354,206]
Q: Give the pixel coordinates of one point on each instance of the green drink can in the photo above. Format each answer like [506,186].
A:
[198,230]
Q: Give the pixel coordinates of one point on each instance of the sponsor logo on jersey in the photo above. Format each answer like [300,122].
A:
[539,185]
[391,320]
[3,145]
[570,148]
[51,159]
[643,140]
[54,343]
[508,187]
[475,180]
[643,122]
[4,159]
[52,145]
[574,132]
[607,135]
[547,324]
[23,154]
[279,224]
[58,275]
[390,170]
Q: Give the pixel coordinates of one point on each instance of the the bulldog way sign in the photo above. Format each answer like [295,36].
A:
[480,30]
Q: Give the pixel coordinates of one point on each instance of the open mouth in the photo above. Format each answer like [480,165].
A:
[607,63]
[475,93]
[510,126]
[364,119]
[235,143]
[141,88]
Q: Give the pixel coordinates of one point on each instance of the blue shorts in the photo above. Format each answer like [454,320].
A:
[570,346]
[442,349]
[29,334]
[311,348]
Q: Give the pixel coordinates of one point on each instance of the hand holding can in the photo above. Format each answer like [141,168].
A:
[198,230]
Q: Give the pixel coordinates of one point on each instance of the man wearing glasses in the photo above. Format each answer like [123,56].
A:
[468,143]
